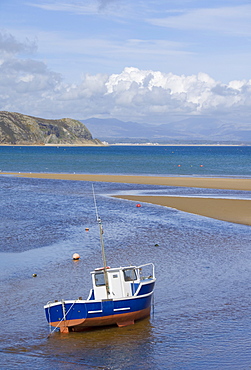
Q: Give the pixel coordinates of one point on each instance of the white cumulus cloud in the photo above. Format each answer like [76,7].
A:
[30,87]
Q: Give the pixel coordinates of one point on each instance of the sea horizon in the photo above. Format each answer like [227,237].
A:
[156,160]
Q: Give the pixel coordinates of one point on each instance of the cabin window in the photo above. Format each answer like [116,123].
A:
[115,276]
[130,275]
[99,279]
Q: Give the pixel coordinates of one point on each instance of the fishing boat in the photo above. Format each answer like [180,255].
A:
[119,296]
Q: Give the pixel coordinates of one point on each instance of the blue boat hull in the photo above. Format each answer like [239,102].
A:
[79,314]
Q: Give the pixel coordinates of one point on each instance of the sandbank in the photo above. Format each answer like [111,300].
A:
[231,210]
[198,182]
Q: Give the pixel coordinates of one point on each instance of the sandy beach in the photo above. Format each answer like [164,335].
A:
[231,210]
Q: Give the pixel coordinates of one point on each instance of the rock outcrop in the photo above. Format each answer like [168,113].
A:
[19,129]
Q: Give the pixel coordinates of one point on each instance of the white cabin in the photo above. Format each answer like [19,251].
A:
[122,282]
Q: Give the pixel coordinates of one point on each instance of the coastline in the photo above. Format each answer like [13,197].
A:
[52,145]
[106,144]
[177,144]
[231,210]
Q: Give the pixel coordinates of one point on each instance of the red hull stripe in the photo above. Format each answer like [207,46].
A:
[121,320]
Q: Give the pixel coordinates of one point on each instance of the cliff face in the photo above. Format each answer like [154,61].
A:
[19,129]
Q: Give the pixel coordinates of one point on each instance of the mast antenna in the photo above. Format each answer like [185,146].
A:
[101,232]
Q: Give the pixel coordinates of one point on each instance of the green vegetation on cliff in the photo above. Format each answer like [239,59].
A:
[19,129]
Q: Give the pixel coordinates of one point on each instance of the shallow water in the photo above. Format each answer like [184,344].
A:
[201,315]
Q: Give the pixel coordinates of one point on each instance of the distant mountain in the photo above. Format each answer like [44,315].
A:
[193,129]
[19,129]
[113,128]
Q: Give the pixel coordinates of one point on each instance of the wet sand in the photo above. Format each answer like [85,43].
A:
[231,210]
[198,182]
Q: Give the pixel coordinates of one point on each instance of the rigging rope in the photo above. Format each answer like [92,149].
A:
[63,319]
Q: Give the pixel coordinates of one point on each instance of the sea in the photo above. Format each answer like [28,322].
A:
[200,317]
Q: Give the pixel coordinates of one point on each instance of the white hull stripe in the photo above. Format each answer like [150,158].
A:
[51,304]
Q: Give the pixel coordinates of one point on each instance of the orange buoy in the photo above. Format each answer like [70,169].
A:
[75,256]
[138,205]
[201,165]
[87,229]
[179,165]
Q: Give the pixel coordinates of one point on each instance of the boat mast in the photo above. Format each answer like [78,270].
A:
[101,232]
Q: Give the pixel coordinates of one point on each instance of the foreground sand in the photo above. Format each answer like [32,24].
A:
[232,210]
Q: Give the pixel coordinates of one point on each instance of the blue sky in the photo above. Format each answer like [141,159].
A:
[148,61]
